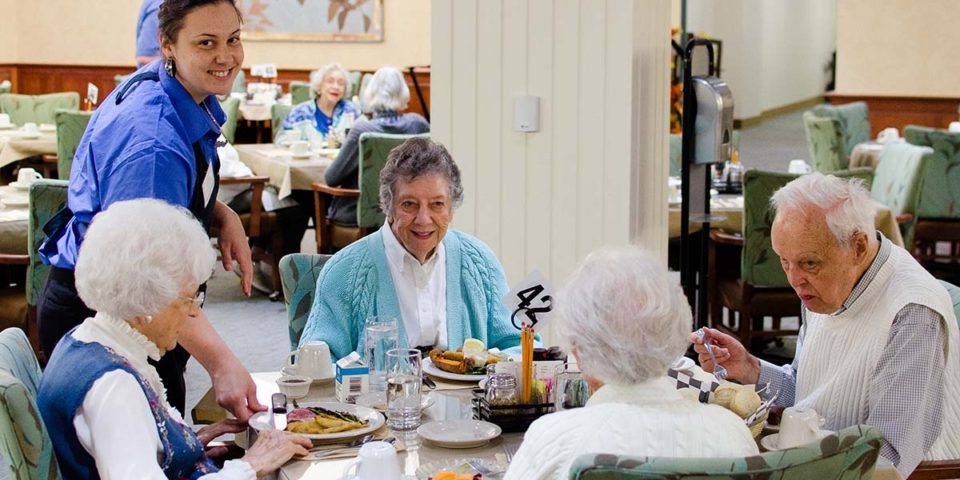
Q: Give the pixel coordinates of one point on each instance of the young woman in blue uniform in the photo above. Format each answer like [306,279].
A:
[155,137]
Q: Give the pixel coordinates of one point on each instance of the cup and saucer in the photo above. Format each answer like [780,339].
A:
[798,426]
[311,360]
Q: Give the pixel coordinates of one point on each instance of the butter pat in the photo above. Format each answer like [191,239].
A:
[353,378]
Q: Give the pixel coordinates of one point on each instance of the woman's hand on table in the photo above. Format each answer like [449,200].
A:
[273,448]
[233,244]
[210,432]
[730,353]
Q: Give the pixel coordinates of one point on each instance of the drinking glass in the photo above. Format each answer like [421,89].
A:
[572,389]
[404,378]
[379,337]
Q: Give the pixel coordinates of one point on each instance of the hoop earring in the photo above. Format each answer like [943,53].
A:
[170,67]
[148,318]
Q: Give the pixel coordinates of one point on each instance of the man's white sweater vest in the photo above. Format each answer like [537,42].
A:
[840,353]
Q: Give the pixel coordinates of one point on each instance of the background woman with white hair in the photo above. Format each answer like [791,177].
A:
[625,321]
[326,107]
[140,267]
[386,95]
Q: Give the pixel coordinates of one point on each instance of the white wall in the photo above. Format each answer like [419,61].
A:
[898,47]
[594,173]
[8,34]
[774,51]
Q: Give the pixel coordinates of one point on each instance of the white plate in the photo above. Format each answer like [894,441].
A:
[20,186]
[301,156]
[375,420]
[682,363]
[769,443]
[316,381]
[14,202]
[7,126]
[379,401]
[29,136]
[430,469]
[459,433]
[430,369]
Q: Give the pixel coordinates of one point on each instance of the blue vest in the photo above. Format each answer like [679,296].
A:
[72,370]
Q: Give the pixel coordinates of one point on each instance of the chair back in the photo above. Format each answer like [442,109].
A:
[299,92]
[239,83]
[37,108]
[825,143]
[898,180]
[46,198]
[278,112]
[373,151]
[863,173]
[70,127]
[854,122]
[5,86]
[940,197]
[298,276]
[759,265]
[118,78]
[364,81]
[353,85]
[849,454]
[230,106]
[24,442]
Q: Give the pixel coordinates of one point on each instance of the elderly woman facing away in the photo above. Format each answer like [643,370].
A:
[326,107]
[625,320]
[140,267]
[443,286]
[386,95]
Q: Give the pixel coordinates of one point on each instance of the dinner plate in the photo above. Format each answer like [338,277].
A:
[378,401]
[682,363]
[316,381]
[14,202]
[460,433]
[769,443]
[375,420]
[301,156]
[458,465]
[430,369]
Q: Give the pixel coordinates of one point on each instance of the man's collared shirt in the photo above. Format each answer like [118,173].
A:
[421,291]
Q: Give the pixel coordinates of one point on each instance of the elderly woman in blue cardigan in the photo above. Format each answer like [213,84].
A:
[442,286]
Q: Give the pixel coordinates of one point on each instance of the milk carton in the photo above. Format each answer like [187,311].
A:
[353,378]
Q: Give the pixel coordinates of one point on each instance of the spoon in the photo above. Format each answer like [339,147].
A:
[718,370]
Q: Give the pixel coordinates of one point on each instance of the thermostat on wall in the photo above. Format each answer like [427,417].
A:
[526,114]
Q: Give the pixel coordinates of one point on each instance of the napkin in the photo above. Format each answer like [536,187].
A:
[449,385]
[706,386]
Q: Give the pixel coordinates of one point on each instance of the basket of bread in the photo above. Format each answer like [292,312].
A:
[745,402]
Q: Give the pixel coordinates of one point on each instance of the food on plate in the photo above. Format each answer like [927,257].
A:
[316,420]
[448,475]
[458,362]
[740,399]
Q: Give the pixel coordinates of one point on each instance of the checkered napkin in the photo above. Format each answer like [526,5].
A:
[685,380]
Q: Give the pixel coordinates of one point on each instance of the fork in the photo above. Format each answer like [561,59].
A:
[340,451]
[718,371]
[339,446]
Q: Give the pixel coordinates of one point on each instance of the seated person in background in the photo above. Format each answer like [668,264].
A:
[386,95]
[625,321]
[442,286]
[878,343]
[141,267]
[326,109]
[291,216]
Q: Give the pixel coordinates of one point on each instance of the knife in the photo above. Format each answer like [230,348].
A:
[279,409]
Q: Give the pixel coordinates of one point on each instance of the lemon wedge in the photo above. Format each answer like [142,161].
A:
[473,345]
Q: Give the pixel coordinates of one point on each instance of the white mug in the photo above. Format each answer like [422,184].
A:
[798,426]
[376,461]
[26,176]
[799,167]
[954,127]
[312,360]
[4,119]
[888,134]
[300,147]
[30,127]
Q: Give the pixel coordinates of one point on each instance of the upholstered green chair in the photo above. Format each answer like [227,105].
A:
[230,106]
[760,289]
[24,442]
[5,86]
[278,112]
[676,151]
[298,275]
[239,83]
[37,108]
[118,78]
[364,81]
[862,173]
[849,454]
[46,198]
[854,122]
[353,85]
[299,92]
[373,150]
[897,183]
[825,143]
[70,127]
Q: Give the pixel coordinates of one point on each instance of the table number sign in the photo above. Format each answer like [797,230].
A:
[531,306]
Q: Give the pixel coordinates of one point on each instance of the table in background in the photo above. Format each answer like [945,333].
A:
[13,222]
[259,117]
[866,154]
[14,147]
[285,172]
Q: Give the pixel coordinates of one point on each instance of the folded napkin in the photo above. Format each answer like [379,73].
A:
[274,153]
[705,383]
[452,385]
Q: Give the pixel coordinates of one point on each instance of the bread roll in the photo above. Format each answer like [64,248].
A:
[745,402]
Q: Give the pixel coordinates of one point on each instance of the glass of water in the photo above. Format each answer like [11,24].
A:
[379,337]
[404,378]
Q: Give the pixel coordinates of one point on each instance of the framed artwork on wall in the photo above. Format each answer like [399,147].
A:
[312,20]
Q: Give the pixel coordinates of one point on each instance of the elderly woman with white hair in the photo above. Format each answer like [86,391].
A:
[625,321]
[326,108]
[140,267]
[878,343]
[386,96]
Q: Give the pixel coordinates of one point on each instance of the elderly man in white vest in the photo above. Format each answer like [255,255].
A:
[879,340]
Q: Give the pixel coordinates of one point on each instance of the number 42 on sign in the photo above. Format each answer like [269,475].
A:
[531,302]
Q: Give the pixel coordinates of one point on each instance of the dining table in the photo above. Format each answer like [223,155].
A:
[286,171]
[13,220]
[17,144]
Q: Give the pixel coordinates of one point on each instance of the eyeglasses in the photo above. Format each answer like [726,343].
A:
[199,297]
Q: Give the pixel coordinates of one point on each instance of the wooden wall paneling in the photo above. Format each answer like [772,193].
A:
[592,147]
[540,76]
[890,111]
[513,158]
[9,72]
[490,111]
[464,139]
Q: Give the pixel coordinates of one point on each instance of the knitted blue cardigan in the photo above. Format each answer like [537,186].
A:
[356,283]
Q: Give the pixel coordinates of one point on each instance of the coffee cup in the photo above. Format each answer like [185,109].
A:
[26,176]
[30,128]
[376,461]
[954,127]
[4,120]
[300,148]
[798,426]
[799,167]
[312,360]
[888,135]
